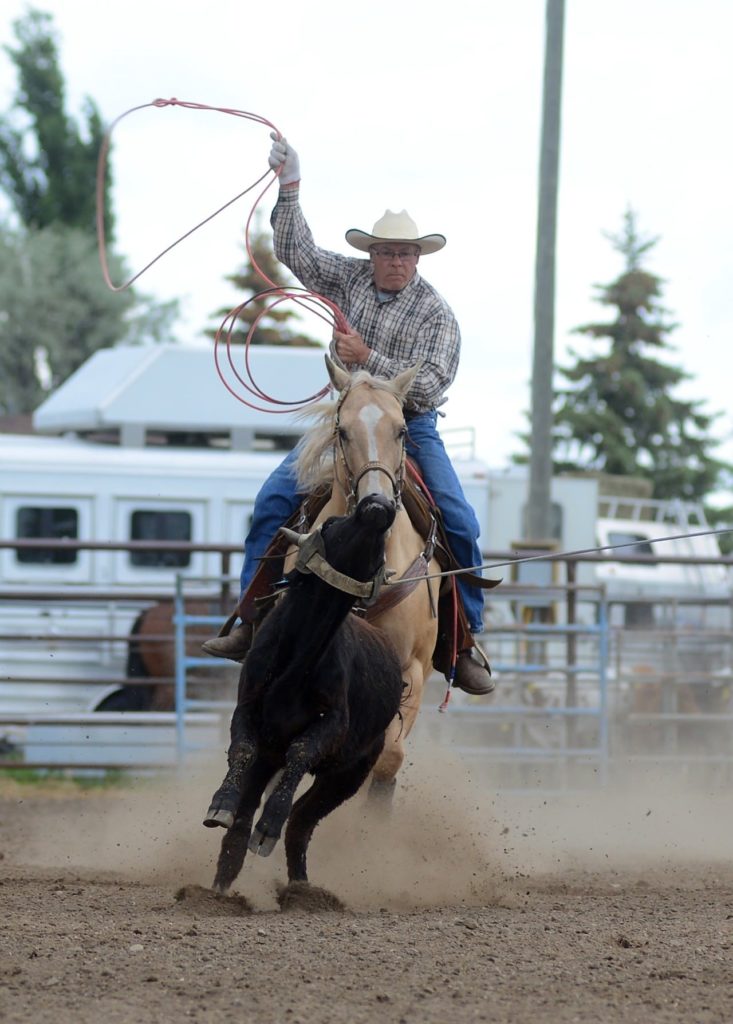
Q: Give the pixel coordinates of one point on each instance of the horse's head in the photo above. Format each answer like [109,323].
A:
[369,433]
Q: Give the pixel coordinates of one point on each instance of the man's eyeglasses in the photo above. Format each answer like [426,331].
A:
[403,255]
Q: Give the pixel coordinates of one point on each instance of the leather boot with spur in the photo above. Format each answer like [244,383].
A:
[473,673]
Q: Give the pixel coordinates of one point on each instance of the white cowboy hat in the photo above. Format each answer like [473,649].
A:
[395,227]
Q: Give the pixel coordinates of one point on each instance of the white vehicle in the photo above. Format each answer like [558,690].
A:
[583,518]
[648,525]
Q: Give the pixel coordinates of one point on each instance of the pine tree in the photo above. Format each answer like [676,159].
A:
[273,328]
[619,415]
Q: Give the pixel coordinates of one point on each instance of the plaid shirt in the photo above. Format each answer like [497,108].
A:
[417,324]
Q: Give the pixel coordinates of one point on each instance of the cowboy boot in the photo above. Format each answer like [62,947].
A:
[233,642]
[473,672]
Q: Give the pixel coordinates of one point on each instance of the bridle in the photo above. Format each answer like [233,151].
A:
[354,479]
[311,556]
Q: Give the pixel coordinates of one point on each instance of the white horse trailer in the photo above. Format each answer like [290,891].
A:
[54,488]
[124,465]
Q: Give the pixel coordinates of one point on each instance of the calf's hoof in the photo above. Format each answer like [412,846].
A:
[261,844]
[217,815]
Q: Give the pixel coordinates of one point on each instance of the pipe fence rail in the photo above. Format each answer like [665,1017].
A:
[589,688]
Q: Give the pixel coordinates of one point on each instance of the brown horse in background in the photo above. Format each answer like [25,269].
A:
[151,654]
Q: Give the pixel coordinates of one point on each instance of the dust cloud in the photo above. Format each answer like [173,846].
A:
[450,840]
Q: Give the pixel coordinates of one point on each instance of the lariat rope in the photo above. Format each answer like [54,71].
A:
[557,556]
[309,300]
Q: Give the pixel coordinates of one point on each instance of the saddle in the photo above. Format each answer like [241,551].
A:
[453,629]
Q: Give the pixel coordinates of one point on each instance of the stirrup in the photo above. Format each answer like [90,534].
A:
[228,625]
[482,655]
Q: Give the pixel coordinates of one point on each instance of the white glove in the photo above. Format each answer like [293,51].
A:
[282,153]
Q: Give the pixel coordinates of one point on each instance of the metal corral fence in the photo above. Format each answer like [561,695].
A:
[67,681]
[587,687]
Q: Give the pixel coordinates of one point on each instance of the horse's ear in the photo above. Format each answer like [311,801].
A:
[339,376]
[403,381]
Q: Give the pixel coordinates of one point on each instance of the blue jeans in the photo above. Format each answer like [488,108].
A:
[278,499]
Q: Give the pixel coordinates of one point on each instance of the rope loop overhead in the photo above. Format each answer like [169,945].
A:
[238,384]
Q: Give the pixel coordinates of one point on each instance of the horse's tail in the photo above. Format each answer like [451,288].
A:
[135,667]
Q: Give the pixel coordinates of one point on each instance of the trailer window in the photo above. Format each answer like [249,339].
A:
[151,524]
[638,544]
[32,523]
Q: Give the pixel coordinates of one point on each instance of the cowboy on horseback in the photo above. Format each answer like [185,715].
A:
[396,320]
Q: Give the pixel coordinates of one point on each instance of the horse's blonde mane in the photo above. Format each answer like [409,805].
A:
[314,462]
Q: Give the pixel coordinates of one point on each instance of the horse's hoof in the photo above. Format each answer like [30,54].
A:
[261,844]
[381,793]
[218,816]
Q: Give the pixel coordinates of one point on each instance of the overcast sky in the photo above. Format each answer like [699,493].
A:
[434,108]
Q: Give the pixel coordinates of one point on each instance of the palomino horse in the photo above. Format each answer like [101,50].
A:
[358,445]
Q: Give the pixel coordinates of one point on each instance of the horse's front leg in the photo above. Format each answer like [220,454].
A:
[384,776]
[304,753]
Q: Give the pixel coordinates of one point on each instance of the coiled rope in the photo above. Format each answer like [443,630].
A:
[311,301]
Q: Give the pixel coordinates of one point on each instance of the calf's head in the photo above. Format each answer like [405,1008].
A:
[354,545]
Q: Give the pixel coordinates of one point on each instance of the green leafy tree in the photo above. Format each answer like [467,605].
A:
[55,309]
[722,518]
[274,327]
[618,414]
[48,163]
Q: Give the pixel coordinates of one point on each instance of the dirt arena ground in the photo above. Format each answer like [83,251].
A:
[464,907]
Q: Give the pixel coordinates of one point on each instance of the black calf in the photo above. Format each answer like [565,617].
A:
[316,694]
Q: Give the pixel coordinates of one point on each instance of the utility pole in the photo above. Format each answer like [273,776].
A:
[538,502]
